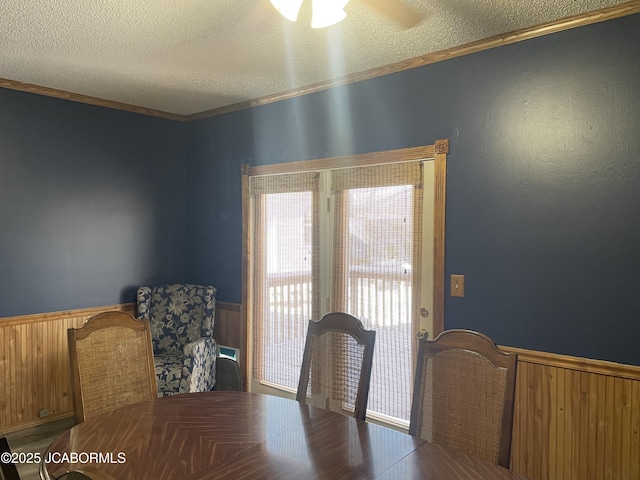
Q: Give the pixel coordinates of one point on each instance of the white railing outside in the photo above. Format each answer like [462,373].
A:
[380,300]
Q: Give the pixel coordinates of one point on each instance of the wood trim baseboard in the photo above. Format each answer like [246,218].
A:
[568,23]
[38,422]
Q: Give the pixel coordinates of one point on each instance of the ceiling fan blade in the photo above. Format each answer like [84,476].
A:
[396,11]
[260,18]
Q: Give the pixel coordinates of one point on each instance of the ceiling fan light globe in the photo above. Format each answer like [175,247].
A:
[289,9]
[327,12]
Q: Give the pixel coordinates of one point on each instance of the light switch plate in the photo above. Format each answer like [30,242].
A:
[457,285]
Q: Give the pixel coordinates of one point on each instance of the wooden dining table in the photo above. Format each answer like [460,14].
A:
[240,435]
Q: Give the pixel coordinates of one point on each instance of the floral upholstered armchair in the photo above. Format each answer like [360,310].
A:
[181,317]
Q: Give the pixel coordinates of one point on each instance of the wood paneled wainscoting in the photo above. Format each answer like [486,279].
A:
[34,361]
[34,366]
[228,330]
[575,419]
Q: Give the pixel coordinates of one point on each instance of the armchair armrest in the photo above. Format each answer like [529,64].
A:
[199,370]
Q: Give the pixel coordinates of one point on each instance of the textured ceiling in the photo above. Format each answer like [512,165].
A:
[189,56]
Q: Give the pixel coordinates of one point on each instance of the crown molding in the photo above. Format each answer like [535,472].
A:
[76,97]
[568,23]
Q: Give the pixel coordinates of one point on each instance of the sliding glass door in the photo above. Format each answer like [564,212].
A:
[351,240]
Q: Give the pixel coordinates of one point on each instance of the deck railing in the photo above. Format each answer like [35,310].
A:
[382,301]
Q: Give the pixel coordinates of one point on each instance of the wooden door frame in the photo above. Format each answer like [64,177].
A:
[438,151]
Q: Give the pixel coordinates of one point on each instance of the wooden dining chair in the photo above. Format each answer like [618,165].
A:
[8,470]
[463,395]
[336,365]
[111,360]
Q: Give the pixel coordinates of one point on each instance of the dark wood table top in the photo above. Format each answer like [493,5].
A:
[241,435]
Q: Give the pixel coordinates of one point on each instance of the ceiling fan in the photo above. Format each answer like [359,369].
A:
[325,13]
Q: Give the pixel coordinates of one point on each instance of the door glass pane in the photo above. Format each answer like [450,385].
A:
[283,285]
[375,267]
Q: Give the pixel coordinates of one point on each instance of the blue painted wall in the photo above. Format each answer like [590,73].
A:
[92,204]
[542,200]
[543,181]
